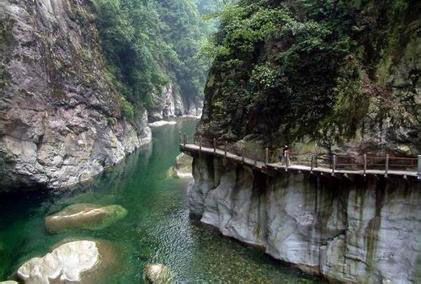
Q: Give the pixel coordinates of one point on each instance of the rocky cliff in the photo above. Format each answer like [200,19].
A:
[170,104]
[352,230]
[320,76]
[61,121]
[344,74]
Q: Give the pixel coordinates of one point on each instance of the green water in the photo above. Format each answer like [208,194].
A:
[156,230]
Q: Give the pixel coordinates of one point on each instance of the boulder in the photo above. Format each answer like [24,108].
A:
[72,262]
[157,274]
[84,216]
[182,167]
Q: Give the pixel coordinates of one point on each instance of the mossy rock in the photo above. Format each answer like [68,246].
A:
[84,216]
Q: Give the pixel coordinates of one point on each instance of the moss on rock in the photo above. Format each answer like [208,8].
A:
[84,216]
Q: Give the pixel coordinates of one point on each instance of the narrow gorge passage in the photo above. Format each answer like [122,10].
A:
[157,228]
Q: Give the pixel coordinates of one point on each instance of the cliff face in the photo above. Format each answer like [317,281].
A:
[351,230]
[340,73]
[170,104]
[320,76]
[61,121]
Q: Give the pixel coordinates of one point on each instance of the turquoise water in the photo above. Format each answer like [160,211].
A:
[156,230]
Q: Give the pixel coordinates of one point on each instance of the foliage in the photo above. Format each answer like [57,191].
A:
[127,109]
[284,66]
[265,76]
[150,43]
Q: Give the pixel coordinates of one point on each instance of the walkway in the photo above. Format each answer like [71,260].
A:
[332,168]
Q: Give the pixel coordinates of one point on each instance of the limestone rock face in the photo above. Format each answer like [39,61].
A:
[70,262]
[170,104]
[157,274]
[84,216]
[182,167]
[167,104]
[359,231]
[60,118]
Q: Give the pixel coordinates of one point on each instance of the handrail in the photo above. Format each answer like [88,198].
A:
[334,163]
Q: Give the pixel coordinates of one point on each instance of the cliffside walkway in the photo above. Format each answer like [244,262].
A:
[321,164]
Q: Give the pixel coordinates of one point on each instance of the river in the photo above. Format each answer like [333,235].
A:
[156,230]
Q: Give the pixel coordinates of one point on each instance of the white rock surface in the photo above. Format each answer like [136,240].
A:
[157,274]
[360,232]
[64,264]
[162,123]
[182,167]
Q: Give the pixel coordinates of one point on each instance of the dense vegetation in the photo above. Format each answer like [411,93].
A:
[151,43]
[286,70]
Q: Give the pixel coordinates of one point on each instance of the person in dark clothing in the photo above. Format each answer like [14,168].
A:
[285,152]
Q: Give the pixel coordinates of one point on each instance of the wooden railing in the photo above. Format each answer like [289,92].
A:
[324,163]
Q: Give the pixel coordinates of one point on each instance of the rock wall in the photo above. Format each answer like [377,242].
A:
[170,104]
[60,118]
[368,100]
[353,231]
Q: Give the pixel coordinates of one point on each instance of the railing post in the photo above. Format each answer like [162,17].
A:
[214,145]
[419,166]
[333,164]
[225,150]
[286,161]
[386,168]
[185,139]
[312,163]
[365,164]
[267,156]
[200,143]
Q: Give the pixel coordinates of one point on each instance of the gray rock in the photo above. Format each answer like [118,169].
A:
[84,216]
[169,104]
[182,167]
[157,274]
[354,232]
[60,117]
[164,104]
[74,262]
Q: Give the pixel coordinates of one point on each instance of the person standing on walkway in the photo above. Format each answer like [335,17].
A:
[285,155]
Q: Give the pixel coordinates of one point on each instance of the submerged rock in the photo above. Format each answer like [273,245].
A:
[157,274]
[182,167]
[84,216]
[162,123]
[73,262]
